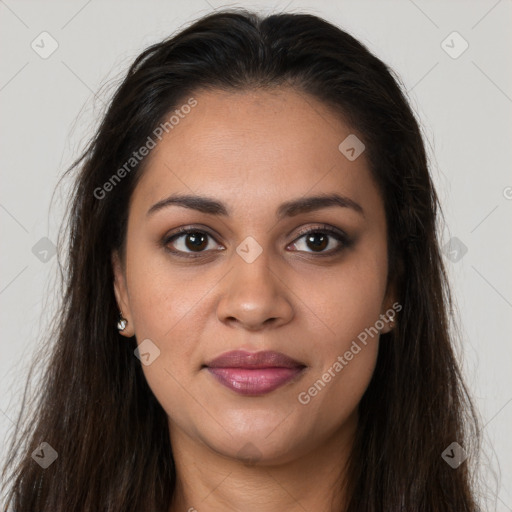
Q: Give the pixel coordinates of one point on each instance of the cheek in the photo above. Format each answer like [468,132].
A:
[162,295]
[344,359]
[167,308]
[348,299]
[165,305]
[345,304]
[331,396]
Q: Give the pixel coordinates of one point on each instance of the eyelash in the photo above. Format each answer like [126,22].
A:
[341,237]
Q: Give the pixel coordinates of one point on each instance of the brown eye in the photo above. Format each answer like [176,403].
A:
[318,240]
[196,241]
[188,241]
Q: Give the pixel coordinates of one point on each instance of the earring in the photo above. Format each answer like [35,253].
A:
[122,323]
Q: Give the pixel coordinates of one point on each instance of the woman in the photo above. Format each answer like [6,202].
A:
[256,309]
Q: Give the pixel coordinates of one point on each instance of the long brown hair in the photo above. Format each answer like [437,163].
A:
[94,406]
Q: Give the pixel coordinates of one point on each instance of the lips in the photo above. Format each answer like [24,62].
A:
[257,373]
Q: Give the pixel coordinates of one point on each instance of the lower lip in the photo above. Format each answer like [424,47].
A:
[254,382]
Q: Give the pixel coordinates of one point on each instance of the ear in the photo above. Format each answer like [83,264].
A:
[121,293]
[390,308]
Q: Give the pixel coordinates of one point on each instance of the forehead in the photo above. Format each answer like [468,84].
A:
[258,147]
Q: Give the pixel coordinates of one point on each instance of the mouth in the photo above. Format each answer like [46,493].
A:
[254,374]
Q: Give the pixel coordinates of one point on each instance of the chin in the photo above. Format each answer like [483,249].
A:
[267,445]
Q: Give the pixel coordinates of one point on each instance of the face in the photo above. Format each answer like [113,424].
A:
[256,273]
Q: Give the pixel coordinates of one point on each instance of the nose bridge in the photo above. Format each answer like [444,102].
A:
[253,265]
[253,293]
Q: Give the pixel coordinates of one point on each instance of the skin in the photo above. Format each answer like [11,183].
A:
[254,150]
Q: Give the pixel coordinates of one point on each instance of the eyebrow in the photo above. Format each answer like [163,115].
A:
[288,209]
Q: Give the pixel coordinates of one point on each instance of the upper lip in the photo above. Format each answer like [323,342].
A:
[253,360]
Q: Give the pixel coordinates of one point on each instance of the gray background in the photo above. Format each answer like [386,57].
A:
[51,106]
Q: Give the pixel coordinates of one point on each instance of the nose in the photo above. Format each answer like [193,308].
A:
[254,296]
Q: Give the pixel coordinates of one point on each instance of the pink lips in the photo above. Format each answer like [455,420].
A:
[254,373]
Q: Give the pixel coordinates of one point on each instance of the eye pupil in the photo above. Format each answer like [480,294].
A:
[197,240]
[318,245]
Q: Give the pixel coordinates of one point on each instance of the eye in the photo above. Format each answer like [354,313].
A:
[188,241]
[318,239]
